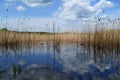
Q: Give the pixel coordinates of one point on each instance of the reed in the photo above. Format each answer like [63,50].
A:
[12,37]
[106,37]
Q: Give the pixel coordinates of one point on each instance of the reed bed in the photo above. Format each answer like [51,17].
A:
[100,39]
[106,37]
[10,37]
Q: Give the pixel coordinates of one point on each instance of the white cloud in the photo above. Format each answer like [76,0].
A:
[20,8]
[32,24]
[118,11]
[103,4]
[33,3]
[104,16]
[75,9]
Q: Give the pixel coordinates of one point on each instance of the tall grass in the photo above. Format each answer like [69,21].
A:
[104,37]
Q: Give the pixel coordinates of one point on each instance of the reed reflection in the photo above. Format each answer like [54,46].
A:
[59,57]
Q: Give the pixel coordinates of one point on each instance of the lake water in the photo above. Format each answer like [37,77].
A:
[47,61]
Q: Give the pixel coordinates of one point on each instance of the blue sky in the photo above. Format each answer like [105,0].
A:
[28,11]
[64,12]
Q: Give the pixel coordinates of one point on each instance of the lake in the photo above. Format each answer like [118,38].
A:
[47,61]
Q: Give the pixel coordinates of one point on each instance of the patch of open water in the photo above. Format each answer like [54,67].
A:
[42,61]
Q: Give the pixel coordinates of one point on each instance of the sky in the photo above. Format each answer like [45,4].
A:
[39,15]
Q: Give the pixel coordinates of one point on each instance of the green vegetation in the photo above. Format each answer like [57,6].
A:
[17,69]
[0,74]
[4,29]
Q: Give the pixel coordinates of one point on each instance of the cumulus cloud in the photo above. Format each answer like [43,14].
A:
[20,8]
[75,9]
[33,3]
[103,4]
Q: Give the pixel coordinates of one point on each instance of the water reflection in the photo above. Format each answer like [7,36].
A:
[47,61]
